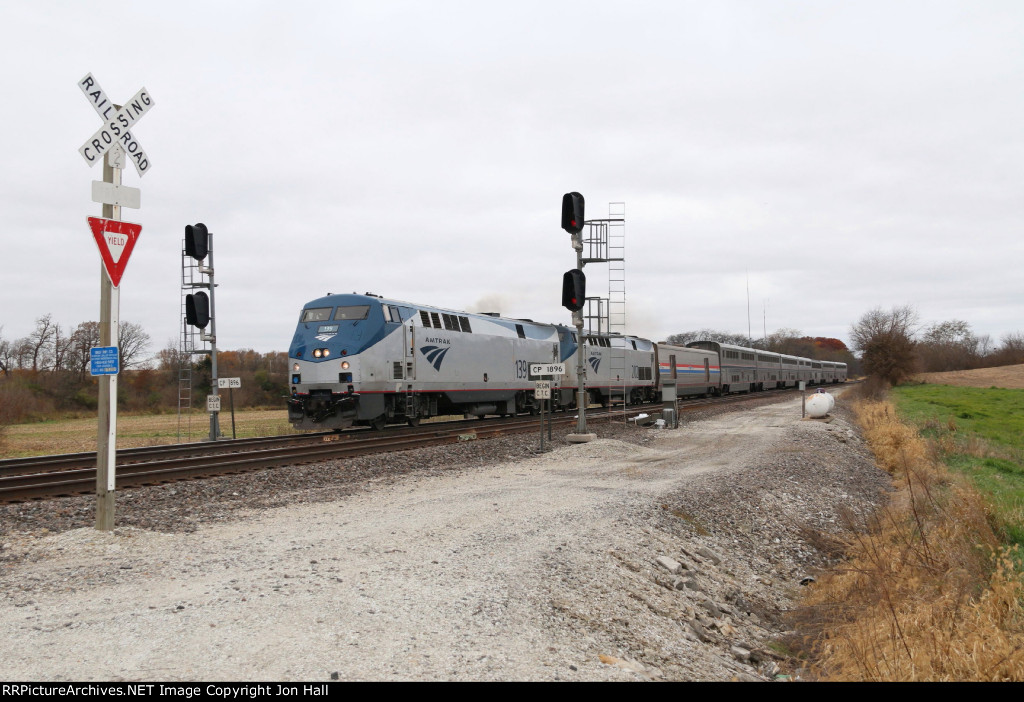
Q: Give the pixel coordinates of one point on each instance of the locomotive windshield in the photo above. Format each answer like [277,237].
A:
[352,312]
[316,314]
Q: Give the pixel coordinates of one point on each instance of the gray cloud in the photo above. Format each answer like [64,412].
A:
[836,156]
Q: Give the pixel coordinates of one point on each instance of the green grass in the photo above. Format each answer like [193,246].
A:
[979,432]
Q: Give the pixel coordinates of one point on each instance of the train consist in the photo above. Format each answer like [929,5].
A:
[365,360]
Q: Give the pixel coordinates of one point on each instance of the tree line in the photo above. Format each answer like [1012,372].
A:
[46,373]
[894,345]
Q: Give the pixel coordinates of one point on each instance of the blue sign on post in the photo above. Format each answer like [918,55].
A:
[103,360]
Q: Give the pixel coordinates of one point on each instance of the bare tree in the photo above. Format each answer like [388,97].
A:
[38,344]
[85,336]
[949,345]
[61,348]
[985,345]
[6,354]
[1011,349]
[131,341]
[171,358]
[886,340]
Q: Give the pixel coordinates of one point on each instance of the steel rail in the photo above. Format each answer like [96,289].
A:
[162,464]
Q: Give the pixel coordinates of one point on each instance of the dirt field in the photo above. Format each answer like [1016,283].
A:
[1001,377]
[661,555]
[75,435]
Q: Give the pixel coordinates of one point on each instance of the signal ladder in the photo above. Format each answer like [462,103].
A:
[605,242]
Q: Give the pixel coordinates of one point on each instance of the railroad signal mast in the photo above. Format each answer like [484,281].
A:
[574,295]
[197,289]
[604,243]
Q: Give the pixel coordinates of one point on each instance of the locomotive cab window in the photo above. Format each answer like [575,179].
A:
[394,314]
[316,314]
[352,312]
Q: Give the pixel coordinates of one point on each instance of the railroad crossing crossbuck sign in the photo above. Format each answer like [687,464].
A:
[114,135]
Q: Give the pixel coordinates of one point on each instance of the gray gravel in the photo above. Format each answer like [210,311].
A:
[645,555]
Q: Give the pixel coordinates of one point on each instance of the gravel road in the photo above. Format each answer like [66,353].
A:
[645,555]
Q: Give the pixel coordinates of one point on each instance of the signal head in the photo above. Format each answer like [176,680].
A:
[574,290]
[197,241]
[572,213]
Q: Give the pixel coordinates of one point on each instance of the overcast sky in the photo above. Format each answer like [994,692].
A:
[829,156]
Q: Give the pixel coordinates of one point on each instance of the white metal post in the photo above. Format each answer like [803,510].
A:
[106,432]
[212,338]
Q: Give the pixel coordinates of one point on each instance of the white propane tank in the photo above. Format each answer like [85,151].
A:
[818,404]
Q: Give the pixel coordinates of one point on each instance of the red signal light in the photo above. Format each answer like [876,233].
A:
[574,290]
[572,213]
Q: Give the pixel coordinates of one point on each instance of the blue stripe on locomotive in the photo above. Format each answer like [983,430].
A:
[355,336]
[352,336]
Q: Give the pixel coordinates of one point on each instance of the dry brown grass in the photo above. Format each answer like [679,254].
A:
[1000,377]
[76,435]
[925,592]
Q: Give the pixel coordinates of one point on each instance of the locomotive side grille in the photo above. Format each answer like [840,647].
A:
[398,370]
[425,318]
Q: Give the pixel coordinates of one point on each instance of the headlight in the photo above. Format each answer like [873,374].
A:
[316,353]
[327,352]
[344,365]
[295,367]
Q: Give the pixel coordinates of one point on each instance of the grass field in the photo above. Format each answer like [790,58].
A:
[980,433]
[75,435]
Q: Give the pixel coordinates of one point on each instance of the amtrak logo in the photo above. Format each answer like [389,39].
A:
[435,355]
[594,362]
[326,332]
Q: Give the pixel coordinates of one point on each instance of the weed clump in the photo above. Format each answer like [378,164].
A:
[926,592]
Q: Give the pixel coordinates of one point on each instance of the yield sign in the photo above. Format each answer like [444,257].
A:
[116,241]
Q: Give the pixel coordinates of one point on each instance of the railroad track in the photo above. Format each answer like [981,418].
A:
[35,478]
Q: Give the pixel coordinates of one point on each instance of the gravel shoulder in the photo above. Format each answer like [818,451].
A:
[644,555]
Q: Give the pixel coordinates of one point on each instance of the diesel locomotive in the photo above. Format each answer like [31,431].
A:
[366,360]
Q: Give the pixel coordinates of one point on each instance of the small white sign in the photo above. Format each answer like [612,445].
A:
[120,195]
[213,403]
[547,369]
[229,382]
[543,390]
